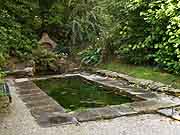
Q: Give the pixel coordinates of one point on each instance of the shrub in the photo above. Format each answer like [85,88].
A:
[43,59]
[13,40]
[90,56]
[147,32]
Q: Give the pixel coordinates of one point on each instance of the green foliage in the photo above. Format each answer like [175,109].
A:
[127,26]
[75,21]
[165,23]
[43,59]
[16,40]
[23,12]
[142,31]
[143,72]
[91,56]
[146,32]
[68,23]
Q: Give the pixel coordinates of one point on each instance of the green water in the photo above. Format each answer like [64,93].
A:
[75,93]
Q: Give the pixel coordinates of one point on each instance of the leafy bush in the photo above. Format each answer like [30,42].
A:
[90,56]
[43,59]
[143,31]
[74,22]
[147,32]
[165,33]
[15,39]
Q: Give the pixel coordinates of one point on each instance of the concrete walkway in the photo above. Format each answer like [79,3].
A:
[20,122]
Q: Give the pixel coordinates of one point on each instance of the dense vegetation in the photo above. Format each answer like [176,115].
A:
[22,21]
[139,31]
[155,34]
[144,32]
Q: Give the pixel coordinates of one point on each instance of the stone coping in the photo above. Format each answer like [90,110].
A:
[26,72]
[148,84]
[47,112]
[172,112]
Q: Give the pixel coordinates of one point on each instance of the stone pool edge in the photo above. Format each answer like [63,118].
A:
[149,84]
[149,105]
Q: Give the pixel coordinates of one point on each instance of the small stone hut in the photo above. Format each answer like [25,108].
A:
[46,42]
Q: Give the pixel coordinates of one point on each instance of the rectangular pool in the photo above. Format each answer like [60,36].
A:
[75,93]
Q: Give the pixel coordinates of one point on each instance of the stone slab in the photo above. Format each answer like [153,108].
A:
[148,95]
[34,98]
[149,84]
[107,112]
[36,112]
[173,112]
[87,115]
[29,92]
[42,102]
[27,87]
[21,80]
[55,118]
[150,106]
[124,109]
[48,112]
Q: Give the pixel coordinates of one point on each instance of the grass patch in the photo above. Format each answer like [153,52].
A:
[143,72]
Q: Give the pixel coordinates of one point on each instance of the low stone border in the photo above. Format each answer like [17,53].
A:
[110,112]
[173,112]
[19,73]
[48,112]
[149,84]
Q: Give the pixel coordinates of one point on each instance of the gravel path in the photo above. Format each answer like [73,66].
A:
[20,122]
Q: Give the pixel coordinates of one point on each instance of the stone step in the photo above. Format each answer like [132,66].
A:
[37,111]
[48,108]
[26,89]
[19,84]
[38,103]
[30,92]
[36,97]
[26,86]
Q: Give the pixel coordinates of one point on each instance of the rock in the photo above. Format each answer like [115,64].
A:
[46,42]
[20,73]
[29,71]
